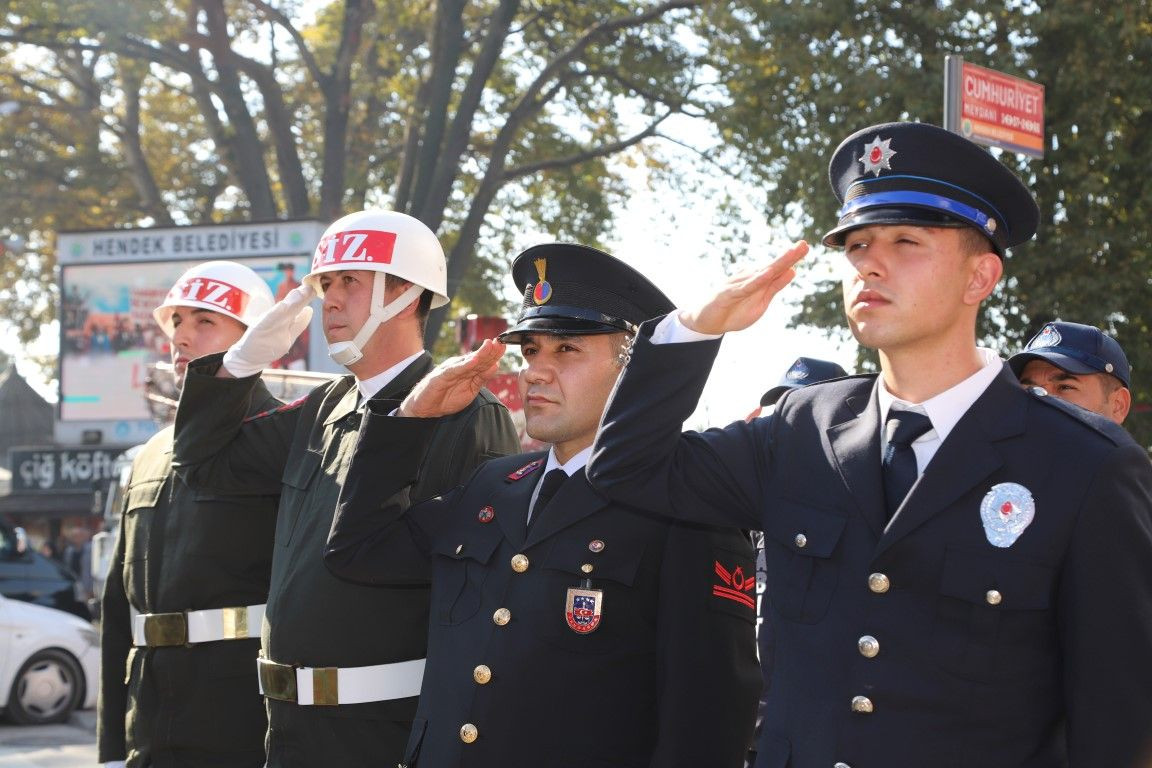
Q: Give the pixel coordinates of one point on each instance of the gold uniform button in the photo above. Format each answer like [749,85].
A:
[801,541]
[482,674]
[869,646]
[469,733]
[878,583]
[502,616]
[841,765]
[586,568]
[862,704]
[459,548]
[519,563]
[993,597]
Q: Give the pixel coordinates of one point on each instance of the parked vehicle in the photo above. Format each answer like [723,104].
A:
[49,663]
[31,577]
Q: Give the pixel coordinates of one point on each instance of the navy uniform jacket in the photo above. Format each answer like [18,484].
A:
[1038,654]
[313,619]
[669,676]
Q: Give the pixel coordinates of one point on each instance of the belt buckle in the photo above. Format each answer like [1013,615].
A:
[325,688]
[277,680]
[165,629]
[235,622]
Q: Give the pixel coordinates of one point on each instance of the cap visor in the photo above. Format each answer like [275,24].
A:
[1055,357]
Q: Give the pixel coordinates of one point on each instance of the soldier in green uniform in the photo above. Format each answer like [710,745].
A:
[189,578]
[341,663]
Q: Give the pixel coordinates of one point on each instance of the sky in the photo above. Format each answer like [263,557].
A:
[679,259]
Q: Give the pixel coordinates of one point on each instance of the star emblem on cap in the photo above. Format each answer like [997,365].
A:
[877,155]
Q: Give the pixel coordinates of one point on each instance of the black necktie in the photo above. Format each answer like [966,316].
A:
[548,487]
[899,464]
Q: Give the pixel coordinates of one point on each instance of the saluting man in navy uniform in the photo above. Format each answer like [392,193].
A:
[565,630]
[960,571]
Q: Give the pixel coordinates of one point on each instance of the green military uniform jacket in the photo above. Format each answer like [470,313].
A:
[314,619]
[183,548]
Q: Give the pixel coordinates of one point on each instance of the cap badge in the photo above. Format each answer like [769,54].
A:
[543,290]
[1007,509]
[1048,337]
[877,155]
[582,609]
[798,372]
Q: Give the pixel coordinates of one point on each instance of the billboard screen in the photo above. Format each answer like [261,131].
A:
[110,339]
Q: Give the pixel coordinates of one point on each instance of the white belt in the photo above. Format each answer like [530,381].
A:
[190,627]
[319,686]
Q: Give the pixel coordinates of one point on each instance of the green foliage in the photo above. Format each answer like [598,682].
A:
[803,75]
[484,119]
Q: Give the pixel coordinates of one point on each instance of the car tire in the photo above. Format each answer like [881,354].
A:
[48,687]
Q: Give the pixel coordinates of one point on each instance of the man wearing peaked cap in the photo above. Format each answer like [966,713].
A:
[1080,364]
[340,663]
[953,561]
[566,630]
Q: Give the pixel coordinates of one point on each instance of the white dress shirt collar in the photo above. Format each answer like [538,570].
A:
[570,467]
[945,409]
[369,387]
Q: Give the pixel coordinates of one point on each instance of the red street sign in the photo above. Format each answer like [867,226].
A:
[994,109]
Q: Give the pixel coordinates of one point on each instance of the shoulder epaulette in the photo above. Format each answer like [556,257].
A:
[524,471]
[278,409]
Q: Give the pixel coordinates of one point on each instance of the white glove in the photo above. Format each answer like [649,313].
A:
[270,337]
[114,764]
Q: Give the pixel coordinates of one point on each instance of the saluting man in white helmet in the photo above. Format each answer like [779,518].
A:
[341,663]
[189,578]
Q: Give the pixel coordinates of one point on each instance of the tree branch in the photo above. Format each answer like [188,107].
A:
[604,150]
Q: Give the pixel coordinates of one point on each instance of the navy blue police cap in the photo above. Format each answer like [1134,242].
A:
[805,371]
[1075,348]
[572,290]
[923,175]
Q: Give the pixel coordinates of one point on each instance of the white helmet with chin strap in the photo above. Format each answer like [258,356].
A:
[387,243]
[222,286]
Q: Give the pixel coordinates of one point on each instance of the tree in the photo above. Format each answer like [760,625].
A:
[482,119]
[803,75]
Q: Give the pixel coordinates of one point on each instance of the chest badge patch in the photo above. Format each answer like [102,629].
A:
[1007,509]
[582,609]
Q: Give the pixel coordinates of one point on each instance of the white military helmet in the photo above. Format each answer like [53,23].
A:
[382,241]
[222,286]
[387,243]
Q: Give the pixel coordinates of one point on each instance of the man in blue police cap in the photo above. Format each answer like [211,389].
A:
[566,630]
[960,570]
[1080,364]
[805,371]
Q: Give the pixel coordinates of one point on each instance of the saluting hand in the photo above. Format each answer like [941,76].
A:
[452,384]
[745,297]
[269,338]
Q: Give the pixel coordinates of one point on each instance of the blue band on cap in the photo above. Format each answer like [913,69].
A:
[923,199]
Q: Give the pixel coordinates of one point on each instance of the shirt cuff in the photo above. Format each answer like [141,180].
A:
[671,331]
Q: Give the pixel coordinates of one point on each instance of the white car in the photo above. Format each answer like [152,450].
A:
[49,663]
